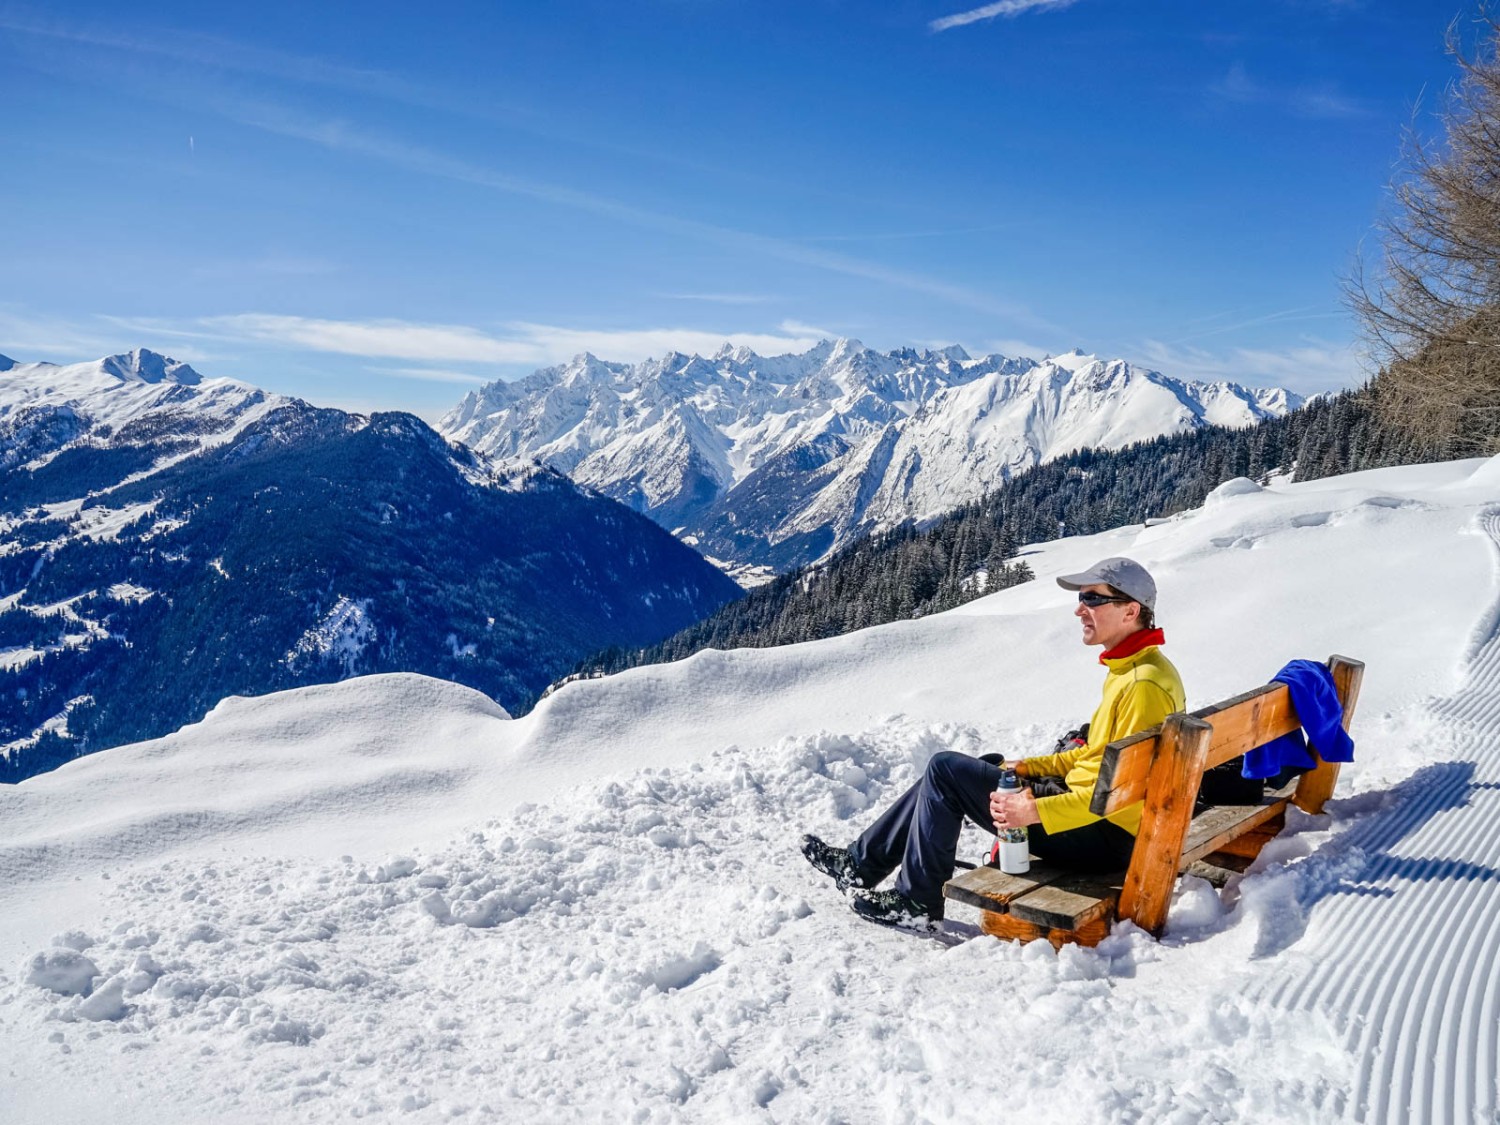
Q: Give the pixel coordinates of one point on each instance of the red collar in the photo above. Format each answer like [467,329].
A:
[1141,638]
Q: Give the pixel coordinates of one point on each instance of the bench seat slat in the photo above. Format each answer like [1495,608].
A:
[989,888]
[1070,904]
[1216,827]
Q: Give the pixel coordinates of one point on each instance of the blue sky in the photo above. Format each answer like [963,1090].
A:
[381,205]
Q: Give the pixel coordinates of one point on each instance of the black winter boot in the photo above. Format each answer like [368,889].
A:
[892,908]
[834,862]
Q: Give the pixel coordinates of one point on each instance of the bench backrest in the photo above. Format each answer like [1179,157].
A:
[1164,766]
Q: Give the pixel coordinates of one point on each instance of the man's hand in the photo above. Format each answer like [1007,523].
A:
[1013,810]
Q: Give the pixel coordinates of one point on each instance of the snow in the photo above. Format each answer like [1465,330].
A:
[340,637]
[383,897]
[103,524]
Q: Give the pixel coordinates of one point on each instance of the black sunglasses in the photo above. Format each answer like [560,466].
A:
[1093,600]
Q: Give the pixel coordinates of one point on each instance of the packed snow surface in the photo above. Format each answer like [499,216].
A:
[384,898]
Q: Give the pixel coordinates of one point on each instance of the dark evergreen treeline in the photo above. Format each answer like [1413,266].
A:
[909,572]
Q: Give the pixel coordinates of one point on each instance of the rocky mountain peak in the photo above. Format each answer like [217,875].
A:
[145,366]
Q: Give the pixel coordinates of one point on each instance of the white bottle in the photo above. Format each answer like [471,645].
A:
[1015,851]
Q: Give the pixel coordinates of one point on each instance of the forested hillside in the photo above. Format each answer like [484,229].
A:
[913,572]
[315,546]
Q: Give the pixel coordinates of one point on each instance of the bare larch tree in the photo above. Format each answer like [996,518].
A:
[1430,309]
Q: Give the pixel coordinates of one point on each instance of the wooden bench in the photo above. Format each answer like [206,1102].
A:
[1162,767]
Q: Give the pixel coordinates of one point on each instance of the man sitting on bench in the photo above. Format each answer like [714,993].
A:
[919,833]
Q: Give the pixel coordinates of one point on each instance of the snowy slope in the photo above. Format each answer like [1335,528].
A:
[383,896]
[776,461]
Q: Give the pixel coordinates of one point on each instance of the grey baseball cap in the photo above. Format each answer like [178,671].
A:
[1125,575]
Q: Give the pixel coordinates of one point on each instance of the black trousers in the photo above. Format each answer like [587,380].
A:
[919,833]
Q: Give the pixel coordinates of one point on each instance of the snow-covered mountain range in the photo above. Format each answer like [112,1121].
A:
[773,462]
[168,540]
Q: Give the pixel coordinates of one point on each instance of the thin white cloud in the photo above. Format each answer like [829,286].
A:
[29,337]
[720,298]
[390,339]
[799,330]
[1019,349]
[215,52]
[1322,101]
[1004,9]
[433,375]
[637,344]
[895,235]
[521,343]
[1308,367]
[342,137]
[1283,316]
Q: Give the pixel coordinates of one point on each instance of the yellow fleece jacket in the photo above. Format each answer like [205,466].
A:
[1140,690]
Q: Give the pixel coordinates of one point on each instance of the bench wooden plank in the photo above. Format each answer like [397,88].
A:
[1070,904]
[1015,929]
[1250,844]
[1240,724]
[989,888]
[1123,769]
[1250,720]
[1217,827]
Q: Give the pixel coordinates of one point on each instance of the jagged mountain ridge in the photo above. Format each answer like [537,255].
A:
[168,540]
[776,461]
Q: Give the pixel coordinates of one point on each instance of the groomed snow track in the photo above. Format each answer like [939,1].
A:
[1408,958]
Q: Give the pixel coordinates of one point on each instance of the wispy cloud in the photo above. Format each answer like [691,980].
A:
[518,343]
[27,337]
[343,137]
[1221,323]
[217,53]
[881,236]
[30,337]
[1004,9]
[213,54]
[801,331]
[1307,367]
[392,339]
[720,298]
[433,375]
[1321,100]
[1017,349]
